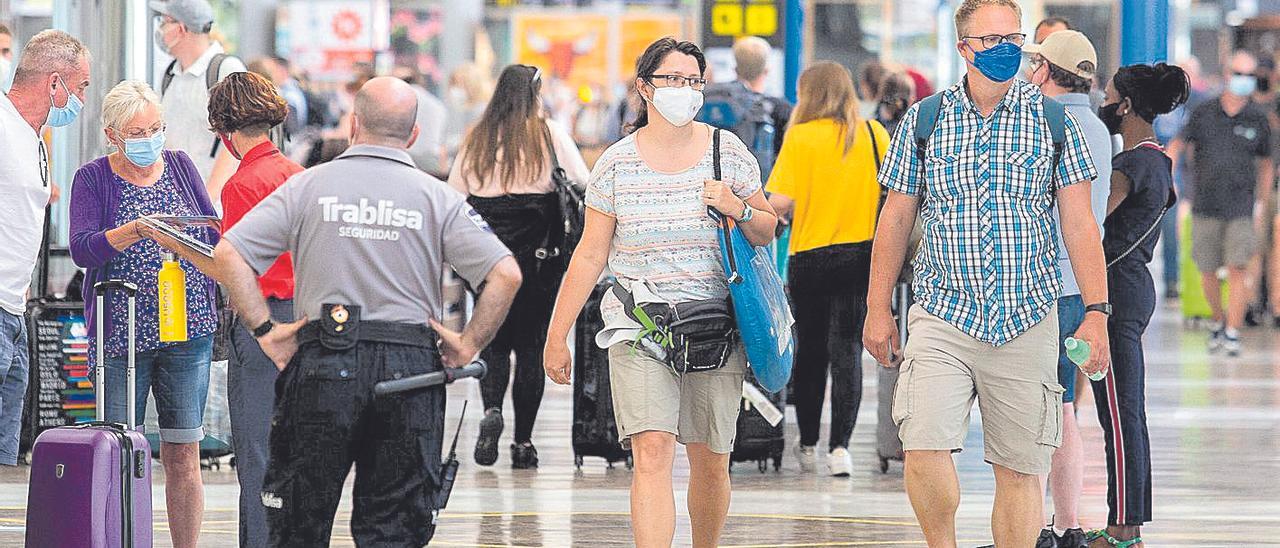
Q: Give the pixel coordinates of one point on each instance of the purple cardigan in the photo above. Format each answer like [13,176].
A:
[95,200]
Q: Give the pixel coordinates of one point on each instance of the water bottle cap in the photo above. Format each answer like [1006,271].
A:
[168,256]
[1071,343]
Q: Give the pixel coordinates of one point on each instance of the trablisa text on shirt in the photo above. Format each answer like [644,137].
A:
[383,214]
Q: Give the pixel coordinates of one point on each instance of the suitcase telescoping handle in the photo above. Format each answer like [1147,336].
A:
[100,291]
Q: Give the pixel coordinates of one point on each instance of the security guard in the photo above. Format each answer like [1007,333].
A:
[370,235]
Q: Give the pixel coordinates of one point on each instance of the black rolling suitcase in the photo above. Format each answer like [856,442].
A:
[888,444]
[758,439]
[595,432]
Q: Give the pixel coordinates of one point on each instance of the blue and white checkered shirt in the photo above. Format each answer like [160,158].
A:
[988,258]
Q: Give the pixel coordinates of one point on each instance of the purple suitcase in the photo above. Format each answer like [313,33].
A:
[91,484]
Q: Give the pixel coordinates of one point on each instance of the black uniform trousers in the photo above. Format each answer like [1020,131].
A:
[1121,396]
[326,418]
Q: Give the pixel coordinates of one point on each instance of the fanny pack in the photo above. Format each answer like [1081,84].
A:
[691,336]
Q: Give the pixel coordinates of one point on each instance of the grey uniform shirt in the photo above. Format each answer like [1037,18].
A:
[369,229]
[1098,140]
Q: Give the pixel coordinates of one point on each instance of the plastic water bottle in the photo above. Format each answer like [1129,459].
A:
[1078,352]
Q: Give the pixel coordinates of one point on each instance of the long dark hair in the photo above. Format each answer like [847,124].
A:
[513,124]
[1153,89]
[649,62]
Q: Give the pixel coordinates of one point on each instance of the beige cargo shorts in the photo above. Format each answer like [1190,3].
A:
[699,407]
[1016,385]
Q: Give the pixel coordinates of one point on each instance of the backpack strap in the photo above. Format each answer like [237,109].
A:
[215,68]
[168,76]
[926,121]
[1055,114]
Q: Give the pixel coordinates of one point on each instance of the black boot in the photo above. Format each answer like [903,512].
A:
[524,456]
[487,442]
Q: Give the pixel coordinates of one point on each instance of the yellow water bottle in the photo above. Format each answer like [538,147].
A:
[172,284]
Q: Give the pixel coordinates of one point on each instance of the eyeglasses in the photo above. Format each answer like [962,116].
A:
[136,133]
[44,164]
[677,81]
[992,40]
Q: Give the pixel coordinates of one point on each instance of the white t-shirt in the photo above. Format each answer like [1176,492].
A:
[566,153]
[24,194]
[186,110]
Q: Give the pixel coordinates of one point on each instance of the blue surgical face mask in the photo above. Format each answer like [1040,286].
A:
[1242,85]
[62,116]
[999,64]
[145,151]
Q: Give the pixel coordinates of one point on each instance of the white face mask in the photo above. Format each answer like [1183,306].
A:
[678,105]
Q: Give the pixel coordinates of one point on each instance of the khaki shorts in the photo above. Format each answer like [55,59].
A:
[1216,243]
[699,407]
[1016,386]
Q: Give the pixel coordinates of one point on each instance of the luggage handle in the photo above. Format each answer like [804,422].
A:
[101,289]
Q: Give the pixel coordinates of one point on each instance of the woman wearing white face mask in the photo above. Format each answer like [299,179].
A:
[647,218]
[108,196]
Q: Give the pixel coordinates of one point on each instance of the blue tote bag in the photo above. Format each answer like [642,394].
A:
[759,301]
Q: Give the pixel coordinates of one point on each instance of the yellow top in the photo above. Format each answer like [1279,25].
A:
[836,194]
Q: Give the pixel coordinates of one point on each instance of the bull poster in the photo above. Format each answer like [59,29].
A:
[588,49]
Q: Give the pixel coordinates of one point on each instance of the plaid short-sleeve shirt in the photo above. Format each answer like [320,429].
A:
[988,258]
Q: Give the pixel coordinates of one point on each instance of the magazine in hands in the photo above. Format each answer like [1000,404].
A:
[173,225]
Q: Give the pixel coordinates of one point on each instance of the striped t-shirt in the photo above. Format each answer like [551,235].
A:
[663,235]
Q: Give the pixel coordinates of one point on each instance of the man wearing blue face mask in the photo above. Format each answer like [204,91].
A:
[1229,144]
[984,163]
[48,89]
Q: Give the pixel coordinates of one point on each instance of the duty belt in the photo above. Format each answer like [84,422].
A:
[375,331]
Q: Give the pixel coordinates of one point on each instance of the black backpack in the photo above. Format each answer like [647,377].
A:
[749,115]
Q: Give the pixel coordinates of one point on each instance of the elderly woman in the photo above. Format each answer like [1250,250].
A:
[108,196]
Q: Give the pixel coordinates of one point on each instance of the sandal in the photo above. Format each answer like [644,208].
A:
[1102,534]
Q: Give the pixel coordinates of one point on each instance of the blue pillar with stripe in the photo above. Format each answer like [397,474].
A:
[793,49]
[1144,31]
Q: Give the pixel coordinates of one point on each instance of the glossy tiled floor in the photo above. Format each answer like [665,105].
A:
[1215,426]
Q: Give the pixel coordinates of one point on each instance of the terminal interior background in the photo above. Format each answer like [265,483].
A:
[1214,421]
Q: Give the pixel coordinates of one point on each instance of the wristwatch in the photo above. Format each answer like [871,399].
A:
[747,213]
[1104,308]
[262,330]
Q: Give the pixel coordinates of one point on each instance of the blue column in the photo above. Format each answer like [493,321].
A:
[793,50]
[1144,31]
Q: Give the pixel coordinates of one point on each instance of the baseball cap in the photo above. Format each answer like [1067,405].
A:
[1069,50]
[196,15]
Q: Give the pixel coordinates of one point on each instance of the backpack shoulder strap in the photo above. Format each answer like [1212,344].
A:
[168,76]
[875,145]
[215,67]
[1055,114]
[926,120]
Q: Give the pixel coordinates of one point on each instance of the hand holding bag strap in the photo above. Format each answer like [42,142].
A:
[719,217]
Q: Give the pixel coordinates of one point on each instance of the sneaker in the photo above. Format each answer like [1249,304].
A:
[807,456]
[840,462]
[1231,342]
[524,456]
[1216,339]
[487,442]
[1073,538]
[1047,539]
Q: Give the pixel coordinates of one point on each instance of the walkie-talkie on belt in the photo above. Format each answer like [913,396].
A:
[449,469]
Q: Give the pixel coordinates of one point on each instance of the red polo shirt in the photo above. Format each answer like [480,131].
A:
[262,170]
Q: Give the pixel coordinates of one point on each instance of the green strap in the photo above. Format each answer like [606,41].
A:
[1102,534]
